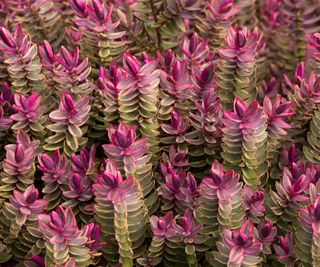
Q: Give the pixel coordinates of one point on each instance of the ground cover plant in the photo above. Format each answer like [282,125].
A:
[159,133]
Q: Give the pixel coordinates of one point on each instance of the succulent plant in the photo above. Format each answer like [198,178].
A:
[253,202]
[18,166]
[206,121]
[132,159]
[120,211]
[50,64]
[284,204]
[78,196]
[247,14]
[176,131]
[219,15]
[285,250]
[18,219]
[84,164]
[102,39]
[27,204]
[220,201]
[303,89]
[163,230]
[277,111]
[266,234]
[245,141]
[189,232]
[29,115]
[138,97]
[71,74]
[6,122]
[64,241]
[239,247]
[195,51]
[236,69]
[173,20]
[92,232]
[56,171]
[179,189]
[22,60]
[68,118]
[177,158]
[176,89]
[159,133]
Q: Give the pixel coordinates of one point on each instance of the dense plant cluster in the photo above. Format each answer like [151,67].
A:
[159,133]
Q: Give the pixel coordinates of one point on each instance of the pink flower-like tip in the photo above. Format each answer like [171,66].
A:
[48,51]
[301,184]
[187,221]
[92,232]
[257,196]
[67,59]
[38,260]
[191,183]
[194,40]
[241,239]
[79,6]
[98,9]
[175,119]
[239,107]
[317,212]
[6,94]
[68,102]
[175,180]
[162,224]
[111,176]
[169,58]
[180,156]
[46,161]
[300,71]
[19,152]
[122,136]
[216,178]
[110,180]
[225,6]
[124,140]
[7,37]
[81,162]
[283,242]
[76,181]
[240,39]
[57,222]
[32,196]
[207,74]
[265,229]
[291,153]
[131,63]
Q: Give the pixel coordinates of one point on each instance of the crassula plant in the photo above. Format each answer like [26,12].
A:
[235,75]
[68,119]
[159,133]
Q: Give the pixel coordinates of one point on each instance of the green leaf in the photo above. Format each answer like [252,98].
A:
[74,130]
[190,249]
[72,142]
[57,128]
[52,147]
